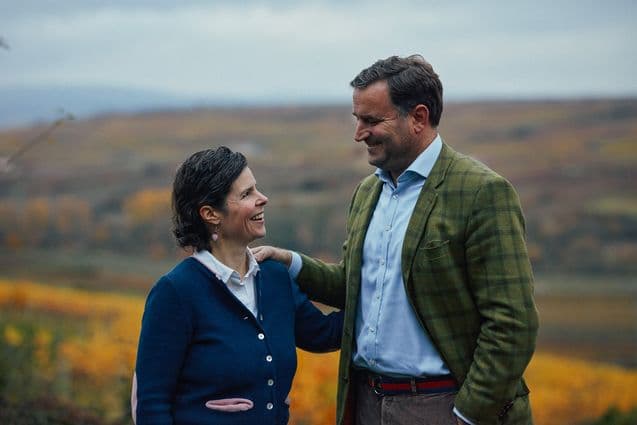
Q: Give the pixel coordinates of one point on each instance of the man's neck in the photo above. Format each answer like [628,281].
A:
[422,146]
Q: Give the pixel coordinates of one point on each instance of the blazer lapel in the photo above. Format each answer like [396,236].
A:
[422,210]
[365,203]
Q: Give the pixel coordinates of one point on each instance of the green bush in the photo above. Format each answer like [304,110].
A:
[615,417]
[44,411]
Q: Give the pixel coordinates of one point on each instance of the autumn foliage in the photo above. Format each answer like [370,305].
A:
[80,346]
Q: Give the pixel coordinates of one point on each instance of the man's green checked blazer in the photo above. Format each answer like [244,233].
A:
[468,277]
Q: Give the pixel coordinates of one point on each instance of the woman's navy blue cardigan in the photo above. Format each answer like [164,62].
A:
[198,342]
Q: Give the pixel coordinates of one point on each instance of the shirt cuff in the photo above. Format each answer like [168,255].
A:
[461,416]
[295,265]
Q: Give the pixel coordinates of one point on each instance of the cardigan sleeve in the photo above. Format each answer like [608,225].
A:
[163,342]
[315,331]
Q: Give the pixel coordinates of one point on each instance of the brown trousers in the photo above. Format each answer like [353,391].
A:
[402,409]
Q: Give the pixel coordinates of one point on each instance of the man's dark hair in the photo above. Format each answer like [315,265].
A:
[411,81]
[205,178]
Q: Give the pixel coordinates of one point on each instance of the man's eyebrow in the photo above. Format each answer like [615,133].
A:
[365,116]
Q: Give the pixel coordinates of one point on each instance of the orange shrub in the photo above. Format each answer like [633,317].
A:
[313,395]
[568,391]
[147,205]
[101,359]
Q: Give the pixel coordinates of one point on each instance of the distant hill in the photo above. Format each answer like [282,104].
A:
[103,183]
[23,106]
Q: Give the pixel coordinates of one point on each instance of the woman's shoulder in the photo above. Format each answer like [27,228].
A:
[275,277]
[272,268]
[185,275]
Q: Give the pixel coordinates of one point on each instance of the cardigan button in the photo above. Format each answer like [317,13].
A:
[261,336]
[270,382]
[268,358]
[269,406]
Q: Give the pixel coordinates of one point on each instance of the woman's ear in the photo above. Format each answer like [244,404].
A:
[210,215]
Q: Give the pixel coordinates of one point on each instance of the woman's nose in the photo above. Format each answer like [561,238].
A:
[262,199]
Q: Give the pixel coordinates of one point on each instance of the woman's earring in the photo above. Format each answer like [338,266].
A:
[215,235]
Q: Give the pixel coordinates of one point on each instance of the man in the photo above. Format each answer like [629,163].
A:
[440,321]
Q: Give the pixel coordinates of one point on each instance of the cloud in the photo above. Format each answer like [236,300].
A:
[310,50]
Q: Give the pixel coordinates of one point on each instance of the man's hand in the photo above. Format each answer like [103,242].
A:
[460,421]
[264,252]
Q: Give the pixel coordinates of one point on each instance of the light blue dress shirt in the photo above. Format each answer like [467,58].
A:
[389,337]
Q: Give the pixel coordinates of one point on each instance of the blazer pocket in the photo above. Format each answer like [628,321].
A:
[434,248]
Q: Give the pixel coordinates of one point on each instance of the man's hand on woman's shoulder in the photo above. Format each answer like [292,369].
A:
[264,252]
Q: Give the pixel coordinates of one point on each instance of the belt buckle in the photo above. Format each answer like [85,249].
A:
[377,386]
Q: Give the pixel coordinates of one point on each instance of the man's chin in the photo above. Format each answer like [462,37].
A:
[375,161]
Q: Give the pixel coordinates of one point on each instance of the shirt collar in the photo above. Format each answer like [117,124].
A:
[421,166]
[223,272]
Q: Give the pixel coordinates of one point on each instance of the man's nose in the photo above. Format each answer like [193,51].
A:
[360,133]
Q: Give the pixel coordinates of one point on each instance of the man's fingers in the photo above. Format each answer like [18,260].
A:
[260,253]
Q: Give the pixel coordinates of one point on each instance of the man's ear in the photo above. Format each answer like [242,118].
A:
[420,118]
[210,215]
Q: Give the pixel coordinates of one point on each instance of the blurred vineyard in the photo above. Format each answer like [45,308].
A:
[112,192]
[79,346]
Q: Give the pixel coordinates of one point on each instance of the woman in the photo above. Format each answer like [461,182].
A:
[218,336]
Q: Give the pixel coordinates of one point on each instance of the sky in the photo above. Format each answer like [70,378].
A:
[300,51]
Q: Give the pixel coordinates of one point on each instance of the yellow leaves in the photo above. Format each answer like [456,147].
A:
[68,301]
[15,296]
[100,360]
[313,394]
[12,336]
[42,351]
[95,357]
[90,357]
[565,390]
[106,350]
[43,338]
[148,204]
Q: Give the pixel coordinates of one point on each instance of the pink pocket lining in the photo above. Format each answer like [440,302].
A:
[230,404]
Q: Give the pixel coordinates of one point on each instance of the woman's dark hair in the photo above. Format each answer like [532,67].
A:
[204,178]
[411,81]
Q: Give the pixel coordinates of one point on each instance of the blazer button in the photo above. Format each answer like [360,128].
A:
[268,358]
[261,336]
